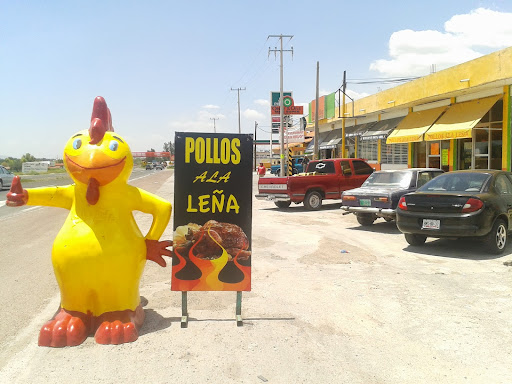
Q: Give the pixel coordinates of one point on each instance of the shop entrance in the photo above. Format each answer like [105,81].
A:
[438,154]
[487,148]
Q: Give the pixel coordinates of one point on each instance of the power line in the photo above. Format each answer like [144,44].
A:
[238,90]
[388,80]
[214,118]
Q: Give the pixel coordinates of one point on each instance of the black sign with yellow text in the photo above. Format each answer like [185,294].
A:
[212,212]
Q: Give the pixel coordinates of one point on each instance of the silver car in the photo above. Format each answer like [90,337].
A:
[5,178]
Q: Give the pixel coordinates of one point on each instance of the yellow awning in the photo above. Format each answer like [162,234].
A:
[414,125]
[460,119]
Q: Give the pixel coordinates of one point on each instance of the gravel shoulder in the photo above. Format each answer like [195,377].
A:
[331,302]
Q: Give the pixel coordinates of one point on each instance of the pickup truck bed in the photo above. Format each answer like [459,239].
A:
[324,179]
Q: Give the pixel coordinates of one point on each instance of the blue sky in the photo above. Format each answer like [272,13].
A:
[166,66]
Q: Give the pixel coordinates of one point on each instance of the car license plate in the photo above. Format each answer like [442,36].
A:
[431,224]
[365,202]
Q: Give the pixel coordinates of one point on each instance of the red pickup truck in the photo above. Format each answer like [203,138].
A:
[324,179]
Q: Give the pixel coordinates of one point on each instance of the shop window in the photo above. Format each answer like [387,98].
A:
[487,139]
[433,154]
[487,148]
[464,152]
[394,153]
[350,146]
[496,148]
[368,150]
[495,114]
[420,155]
[445,155]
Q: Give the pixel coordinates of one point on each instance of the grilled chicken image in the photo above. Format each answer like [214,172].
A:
[209,240]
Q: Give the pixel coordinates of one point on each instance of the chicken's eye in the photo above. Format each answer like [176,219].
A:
[113,145]
[77,143]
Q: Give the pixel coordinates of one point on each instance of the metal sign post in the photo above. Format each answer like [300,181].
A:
[239,322]
[184,310]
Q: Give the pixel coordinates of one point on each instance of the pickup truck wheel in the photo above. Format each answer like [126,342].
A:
[414,239]
[313,200]
[282,204]
[365,219]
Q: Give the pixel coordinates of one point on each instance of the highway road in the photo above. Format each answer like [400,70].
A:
[331,302]
[53,179]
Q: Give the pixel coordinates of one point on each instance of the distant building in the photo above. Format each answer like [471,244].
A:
[35,166]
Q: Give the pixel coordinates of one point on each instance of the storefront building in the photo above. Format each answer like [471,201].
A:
[458,118]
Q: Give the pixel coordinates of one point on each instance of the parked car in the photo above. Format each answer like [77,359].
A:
[297,166]
[379,194]
[325,179]
[476,203]
[5,177]
[149,166]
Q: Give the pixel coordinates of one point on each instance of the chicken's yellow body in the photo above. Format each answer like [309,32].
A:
[99,253]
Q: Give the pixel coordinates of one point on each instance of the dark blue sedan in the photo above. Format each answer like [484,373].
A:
[475,203]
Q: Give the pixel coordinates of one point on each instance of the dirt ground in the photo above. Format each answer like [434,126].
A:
[331,302]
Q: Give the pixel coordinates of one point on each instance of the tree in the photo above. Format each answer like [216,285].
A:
[13,164]
[169,147]
[27,157]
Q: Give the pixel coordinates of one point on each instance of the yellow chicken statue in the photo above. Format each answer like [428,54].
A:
[99,254]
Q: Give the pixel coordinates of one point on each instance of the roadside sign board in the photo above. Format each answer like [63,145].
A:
[212,212]
[275,96]
[291,110]
[295,136]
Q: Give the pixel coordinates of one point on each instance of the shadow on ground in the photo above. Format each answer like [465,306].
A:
[463,248]
[294,208]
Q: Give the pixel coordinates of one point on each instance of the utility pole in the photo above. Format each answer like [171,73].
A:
[238,90]
[317,134]
[281,106]
[343,117]
[214,118]
[255,130]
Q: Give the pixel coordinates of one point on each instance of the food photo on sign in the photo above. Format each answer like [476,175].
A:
[213,212]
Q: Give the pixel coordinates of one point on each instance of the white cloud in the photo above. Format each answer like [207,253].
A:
[262,102]
[482,28]
[210,106]
[252,114]
[465,37]
[202,122]
[356,95]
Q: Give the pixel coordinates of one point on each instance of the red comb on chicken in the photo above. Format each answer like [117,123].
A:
[101,120]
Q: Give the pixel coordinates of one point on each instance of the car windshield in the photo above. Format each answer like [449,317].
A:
[395,179]
[457,182]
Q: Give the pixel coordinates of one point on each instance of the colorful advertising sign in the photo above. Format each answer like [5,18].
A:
[292,110]
[212,212]
[275,96]
[289,107]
